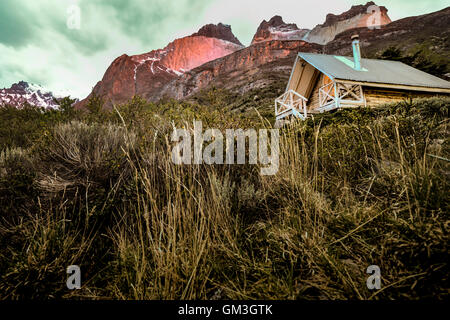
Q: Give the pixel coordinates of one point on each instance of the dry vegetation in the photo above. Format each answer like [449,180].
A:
[355,188]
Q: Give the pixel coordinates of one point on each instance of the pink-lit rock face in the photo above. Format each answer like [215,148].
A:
[191,52]
[147,73]
[361,16]
[190,64]
[241,71]
[117,83]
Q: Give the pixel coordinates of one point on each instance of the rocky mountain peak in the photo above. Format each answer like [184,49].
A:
[276,21]
[357,17]
[277,29]
[354,11]
[20,86]
[218,31]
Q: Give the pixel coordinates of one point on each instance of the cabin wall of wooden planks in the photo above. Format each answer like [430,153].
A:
[313,99]
[373,95]
[376,96]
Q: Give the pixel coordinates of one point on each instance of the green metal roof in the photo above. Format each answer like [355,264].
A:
[373,71]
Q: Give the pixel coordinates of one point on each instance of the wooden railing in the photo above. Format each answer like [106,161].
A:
[336,95]
[350,93]
[291,103]
[327,95]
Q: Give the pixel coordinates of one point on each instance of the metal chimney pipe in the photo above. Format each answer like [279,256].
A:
[356,52]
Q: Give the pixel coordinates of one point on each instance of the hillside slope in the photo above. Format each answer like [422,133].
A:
[429,32]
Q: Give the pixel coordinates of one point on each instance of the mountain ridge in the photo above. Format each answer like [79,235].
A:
[22,93]
[214,56]
[161,72]
[146,74]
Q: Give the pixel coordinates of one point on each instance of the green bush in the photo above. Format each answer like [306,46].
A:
[17,190]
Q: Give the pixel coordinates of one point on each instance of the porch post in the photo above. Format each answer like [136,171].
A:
[304,109]
[336,96]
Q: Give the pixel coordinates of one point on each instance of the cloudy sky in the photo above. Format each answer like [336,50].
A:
[36,44]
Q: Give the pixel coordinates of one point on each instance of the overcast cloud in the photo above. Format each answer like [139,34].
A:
[37,46]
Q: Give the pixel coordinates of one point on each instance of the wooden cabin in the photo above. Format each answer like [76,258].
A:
[320,83]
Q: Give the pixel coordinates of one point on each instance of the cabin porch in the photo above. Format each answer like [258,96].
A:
[291,103]
[327,95]
[335,95]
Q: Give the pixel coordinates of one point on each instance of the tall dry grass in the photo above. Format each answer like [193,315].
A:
[369,188]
